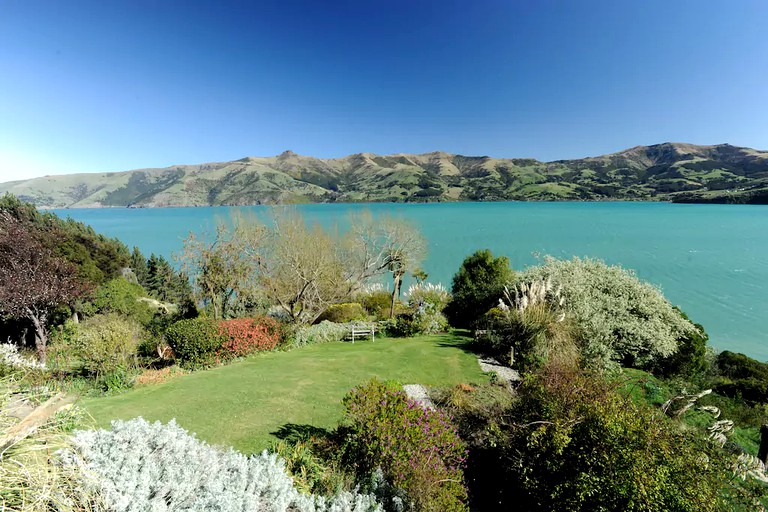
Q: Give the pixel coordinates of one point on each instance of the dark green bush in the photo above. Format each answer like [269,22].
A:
[743,376]
[122,297]
[476,287]
[534,336]
[404,325]
[690,360]
[344,313]
[194,341]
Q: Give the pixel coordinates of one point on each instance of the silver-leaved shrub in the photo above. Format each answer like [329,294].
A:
[324,332]
[621,318]
[139,466]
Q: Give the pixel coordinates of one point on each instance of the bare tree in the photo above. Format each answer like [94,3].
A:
[387,245]
[33,282]
[302,269]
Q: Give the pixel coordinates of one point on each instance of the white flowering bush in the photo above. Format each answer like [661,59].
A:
[434,295]
[139,466]
[324,332]
[11,359]
[621,318]
[429,321]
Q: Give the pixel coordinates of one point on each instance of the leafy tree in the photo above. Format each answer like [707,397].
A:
[33,282]
[302,269]
[477,287]
[96,258]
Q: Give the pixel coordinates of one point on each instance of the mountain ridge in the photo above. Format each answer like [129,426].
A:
[670,171]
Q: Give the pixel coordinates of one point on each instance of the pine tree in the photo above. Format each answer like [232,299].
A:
[139,266]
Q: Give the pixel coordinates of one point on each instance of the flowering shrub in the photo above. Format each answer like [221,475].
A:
[622,319]
[243,336]
[324,332]
[418,450]
[142,466]
[430,321]
[10,358]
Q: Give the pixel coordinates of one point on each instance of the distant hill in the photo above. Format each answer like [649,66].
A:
[663,172]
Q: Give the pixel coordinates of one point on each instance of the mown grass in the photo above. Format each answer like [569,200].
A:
[243,404]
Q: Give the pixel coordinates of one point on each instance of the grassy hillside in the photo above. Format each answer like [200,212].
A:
[663,172]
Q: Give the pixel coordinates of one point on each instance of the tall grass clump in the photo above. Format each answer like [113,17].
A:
[530,327]
[33,426]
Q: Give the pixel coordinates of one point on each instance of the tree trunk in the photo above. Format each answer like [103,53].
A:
[395,292]
[762,453]
[41,337]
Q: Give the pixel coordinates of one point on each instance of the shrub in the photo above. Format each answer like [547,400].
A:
[243,336]
[418,450]
[691,358]
[324,332]
[107,343]
[476,287]
[143,466]
[403,325]
[343,313]
[376,302]
[429,321]
[195,341]
[122,297]
[571,442]
[12,362]
[432,296]
[312,470]
[622,319]
[744,376]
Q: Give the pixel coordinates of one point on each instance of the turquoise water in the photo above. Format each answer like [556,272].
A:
[711,260]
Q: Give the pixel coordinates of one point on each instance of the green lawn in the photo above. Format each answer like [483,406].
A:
[243,403]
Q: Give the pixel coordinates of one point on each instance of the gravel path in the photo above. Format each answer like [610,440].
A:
[419,393]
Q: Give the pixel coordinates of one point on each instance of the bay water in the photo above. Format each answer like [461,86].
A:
[711,260]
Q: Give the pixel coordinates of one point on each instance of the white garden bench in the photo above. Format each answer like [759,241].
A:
[362,331]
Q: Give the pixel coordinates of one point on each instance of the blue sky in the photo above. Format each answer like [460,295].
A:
[108,85]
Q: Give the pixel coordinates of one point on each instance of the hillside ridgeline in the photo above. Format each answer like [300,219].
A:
[663,172]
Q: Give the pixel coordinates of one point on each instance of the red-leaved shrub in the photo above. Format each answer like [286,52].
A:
[243,336]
